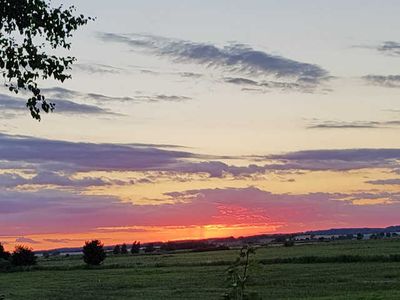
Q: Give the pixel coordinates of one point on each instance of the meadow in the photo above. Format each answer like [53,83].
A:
[202,275]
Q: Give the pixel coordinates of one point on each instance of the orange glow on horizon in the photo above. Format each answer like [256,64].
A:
[144,234]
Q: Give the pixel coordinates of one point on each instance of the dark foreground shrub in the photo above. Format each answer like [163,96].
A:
[211,248]
[149,248]
[5,265]
[124,249]
[135,247]
[117,250]
[289,243]
[3,253]
[93,252]
[23,256]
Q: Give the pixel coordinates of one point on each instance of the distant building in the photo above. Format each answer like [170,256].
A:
[303,237]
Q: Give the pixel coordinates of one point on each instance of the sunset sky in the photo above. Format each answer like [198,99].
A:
[199,119]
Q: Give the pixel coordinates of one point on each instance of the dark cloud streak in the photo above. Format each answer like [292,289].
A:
[233,58]
[15,105]
[100,98]
[389,48]
[98,69]
[70,157]
[393,181]
[356,125]
[390,81]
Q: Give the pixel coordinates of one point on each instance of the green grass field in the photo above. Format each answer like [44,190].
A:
[203,275]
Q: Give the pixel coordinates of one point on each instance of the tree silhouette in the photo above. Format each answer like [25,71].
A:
[28,29]
[3,253]
[117,249]
[23,256]
[135,247]
[93,252]
[124,249]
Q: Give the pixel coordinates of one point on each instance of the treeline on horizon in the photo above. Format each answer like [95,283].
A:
[214,244]
[336,234]
[93,253]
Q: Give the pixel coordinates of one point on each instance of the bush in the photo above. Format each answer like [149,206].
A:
[117,250]
[289,243]
[23,256]
[280,239]
[149,248]
[135,247]
[3,253]
[93,252]
[124,249]
[5,265]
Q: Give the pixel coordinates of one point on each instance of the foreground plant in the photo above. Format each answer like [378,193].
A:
[238,276]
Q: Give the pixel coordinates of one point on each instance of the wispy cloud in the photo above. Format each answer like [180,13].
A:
[24,240]
[139,98]
[355,124]
[14,106]
[63,241]
[93,68]
[190,75]
[58,92]
[389,48]
[342,154]
[391,81]
[72,102]
[86,156]
[70,157]
[241,81]
[232,58]
[339,159]
[46,178]
[264,85]
[393,181]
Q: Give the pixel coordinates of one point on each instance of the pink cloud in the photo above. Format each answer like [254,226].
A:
[61,212]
